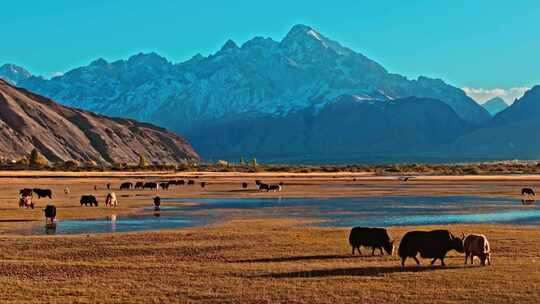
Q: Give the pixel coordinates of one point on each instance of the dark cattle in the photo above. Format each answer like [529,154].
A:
[430,244]
[50,214]
[274,188]
[527,191]
[50,211]
[108,186]
[244,185]
[139,185]
[180,182]
[257,182]
[164,186]
[203,184]
[157,203]
[150,185]
[263,186]
[191,182]
[89,200]
[43,192]
[25,192]
[172,182]
[370,237]
[126,186]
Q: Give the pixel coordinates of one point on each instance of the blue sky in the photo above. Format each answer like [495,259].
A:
[483,45]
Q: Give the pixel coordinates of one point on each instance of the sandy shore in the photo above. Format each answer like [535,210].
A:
[246,259]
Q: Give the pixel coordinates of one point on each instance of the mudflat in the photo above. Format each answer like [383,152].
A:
[245,257]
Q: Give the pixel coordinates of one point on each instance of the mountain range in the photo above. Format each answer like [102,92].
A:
[29,121]
[304,97]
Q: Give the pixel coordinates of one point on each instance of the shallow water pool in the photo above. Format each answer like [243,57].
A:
[358,211]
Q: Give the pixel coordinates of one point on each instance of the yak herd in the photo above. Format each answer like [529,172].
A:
[26,194]
[432,245]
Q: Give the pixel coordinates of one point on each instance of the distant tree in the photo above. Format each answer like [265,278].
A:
[36,159]
[254,162]
[242,161]
[222,163]
[143,163]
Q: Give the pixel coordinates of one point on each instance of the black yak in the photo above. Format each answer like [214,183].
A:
[139,185]
[164,186]
[376,238]
[430,244]
[89,200]
[527,191]
[126,186]
[274,188]
[150,185]
[43,192]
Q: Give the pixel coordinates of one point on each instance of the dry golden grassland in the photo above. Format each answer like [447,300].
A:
[250,258]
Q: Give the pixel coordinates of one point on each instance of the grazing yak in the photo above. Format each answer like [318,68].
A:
[150,185]
[527,191]
[477,245]
[430,244]
[274,188]
[180,182]
[43,192]
[164,186]
[263,186]
[157,203]
[371,237]
[126,186]
[89,200]
[139,185]
[111,200]
[191,182]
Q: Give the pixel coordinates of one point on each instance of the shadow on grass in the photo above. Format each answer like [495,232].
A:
[307,258]
[356,271]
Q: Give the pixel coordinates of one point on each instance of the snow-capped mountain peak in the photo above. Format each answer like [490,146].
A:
[304,70]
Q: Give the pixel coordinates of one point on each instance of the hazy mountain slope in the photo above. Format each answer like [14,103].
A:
[30,121]
[495,105]
[346,127]
[511,134]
